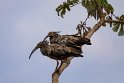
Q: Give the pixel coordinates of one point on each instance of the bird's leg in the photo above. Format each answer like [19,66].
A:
[61,62]
[57,68]
[56,65]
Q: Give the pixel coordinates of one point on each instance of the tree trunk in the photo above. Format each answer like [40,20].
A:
[64,65]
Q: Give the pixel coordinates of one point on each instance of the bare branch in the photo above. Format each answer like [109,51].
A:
[97,26]
[114,21]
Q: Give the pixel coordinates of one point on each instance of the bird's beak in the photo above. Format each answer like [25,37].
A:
[33,51]
[45,38]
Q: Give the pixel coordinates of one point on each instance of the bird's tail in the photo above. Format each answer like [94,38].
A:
[79,55]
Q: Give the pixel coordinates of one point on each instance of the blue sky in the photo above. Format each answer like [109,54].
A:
[24,23]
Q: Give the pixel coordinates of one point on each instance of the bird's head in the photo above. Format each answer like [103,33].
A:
[42,44]
[52,34]
[39,45]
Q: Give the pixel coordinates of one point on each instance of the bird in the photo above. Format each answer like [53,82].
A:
[69,40]
[56,51]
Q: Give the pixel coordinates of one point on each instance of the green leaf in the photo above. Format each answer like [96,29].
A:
[75,1]
[83,3]
[105,1]
[98,2]
[121,31]
[111,9]
[68,8]
[68,1]
[63,13]
[62,8]
[58,9]
[116,27]
[102,3]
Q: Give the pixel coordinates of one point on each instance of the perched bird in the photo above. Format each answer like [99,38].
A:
[69,40]
[56,51]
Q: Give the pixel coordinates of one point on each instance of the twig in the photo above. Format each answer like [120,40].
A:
[114,21]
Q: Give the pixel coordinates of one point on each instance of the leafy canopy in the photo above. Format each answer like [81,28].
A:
[95,8]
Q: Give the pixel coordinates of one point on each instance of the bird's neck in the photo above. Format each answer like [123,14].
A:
[44,50]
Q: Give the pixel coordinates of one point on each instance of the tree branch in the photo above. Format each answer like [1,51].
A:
[63,66]
[56,75]
[97,26]
[114,21]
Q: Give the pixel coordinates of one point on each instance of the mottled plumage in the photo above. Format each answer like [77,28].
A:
[69,40]
[56,51]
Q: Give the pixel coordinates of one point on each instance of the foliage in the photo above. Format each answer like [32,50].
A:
[95,8]
[62,8]
[119,27]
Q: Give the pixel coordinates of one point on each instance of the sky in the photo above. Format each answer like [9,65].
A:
[24,23]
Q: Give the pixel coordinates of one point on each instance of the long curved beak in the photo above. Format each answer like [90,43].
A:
[33,51]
